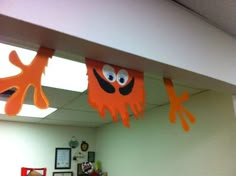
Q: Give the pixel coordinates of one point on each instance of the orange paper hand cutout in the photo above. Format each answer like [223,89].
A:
[176,105]
[30,76]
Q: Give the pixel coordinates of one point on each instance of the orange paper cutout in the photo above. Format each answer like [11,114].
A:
[30,76]
[176,105]
[109,88]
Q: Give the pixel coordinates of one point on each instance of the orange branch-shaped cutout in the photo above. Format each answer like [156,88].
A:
[30,75]
[176,105]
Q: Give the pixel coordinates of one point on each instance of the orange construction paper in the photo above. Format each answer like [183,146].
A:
[176,105]
[30,75]
[109,88]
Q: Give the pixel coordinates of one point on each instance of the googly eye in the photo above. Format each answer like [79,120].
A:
[122,77]
[109,73]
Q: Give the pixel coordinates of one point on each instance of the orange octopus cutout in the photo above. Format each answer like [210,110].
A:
[30,75]
[176,106]
[113,88]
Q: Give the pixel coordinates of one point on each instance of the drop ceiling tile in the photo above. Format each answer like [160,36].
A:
[74,109]
[80,103]
[71,123]
[219,13]
[76,115]
[150,106]
[57,97]
[156,92]
[19,118]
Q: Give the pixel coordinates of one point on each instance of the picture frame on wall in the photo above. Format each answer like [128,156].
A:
[62,174]
[63,158]
[91,157]
[80,170]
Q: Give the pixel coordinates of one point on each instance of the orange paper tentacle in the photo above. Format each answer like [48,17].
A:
[125,117]
[14,104]
[15,60]
[140,108]
[176,105]
[40,99]
[135,110]
[172,115]
[184,97]
[184,123]
[101,109]
[30,75]
[6,83]
[114,117]
[189,115]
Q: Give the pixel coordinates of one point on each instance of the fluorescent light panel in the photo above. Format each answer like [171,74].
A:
[60,73]
[29,110]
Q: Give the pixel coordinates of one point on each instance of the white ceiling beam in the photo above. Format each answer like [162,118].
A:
[155,36]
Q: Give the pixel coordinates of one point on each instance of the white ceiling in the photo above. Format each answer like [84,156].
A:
[74,110]
[220,13]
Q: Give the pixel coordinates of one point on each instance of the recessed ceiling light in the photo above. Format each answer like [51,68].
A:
[60,73]
[29,110]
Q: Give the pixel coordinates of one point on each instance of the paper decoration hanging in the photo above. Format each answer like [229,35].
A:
[115,88]
[176,106]
[30,75]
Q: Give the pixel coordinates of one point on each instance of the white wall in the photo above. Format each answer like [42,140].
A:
[31,145]
[154,146]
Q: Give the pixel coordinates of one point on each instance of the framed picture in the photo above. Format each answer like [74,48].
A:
[63,158]
[79,170]
[62,174]
[91,157]
[84,146]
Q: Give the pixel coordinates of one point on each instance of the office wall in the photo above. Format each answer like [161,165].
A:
[154,146]
[31,145]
